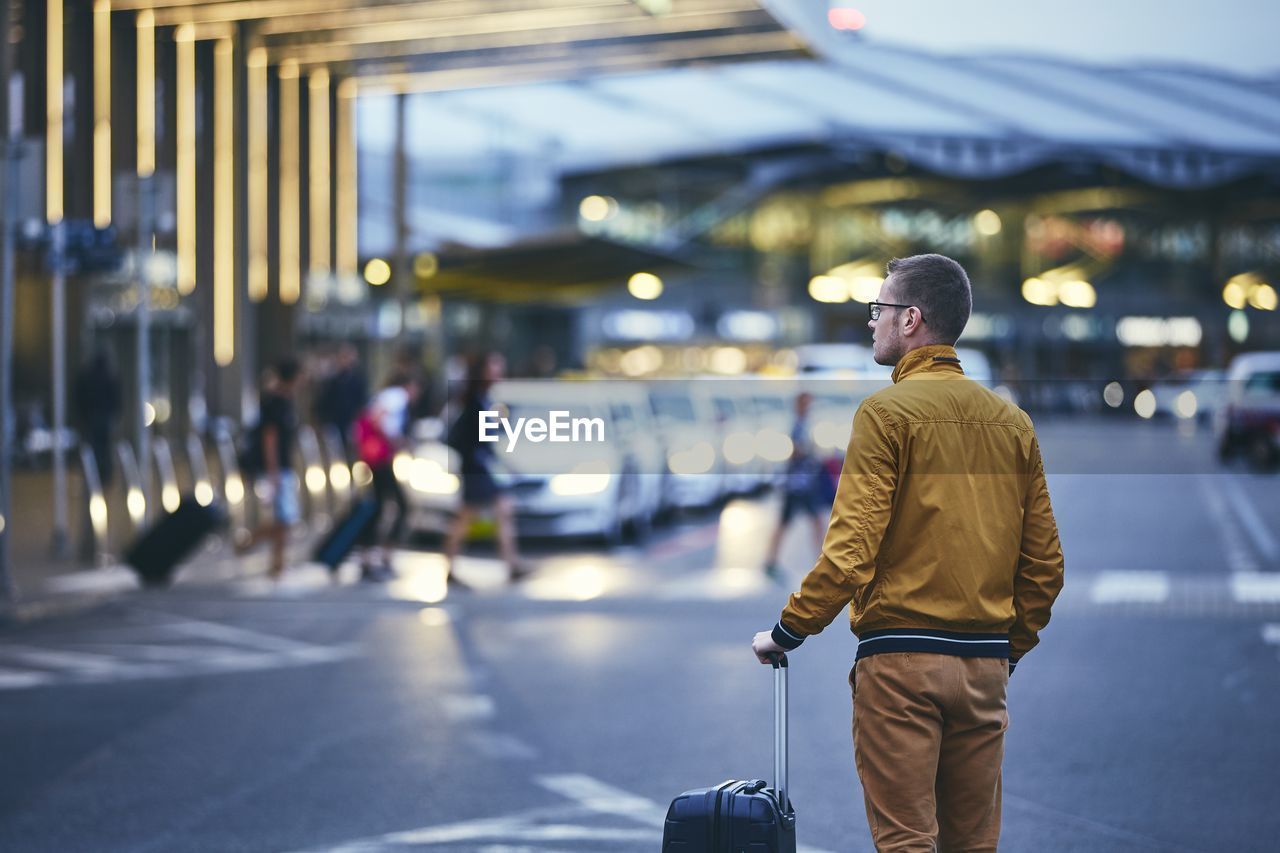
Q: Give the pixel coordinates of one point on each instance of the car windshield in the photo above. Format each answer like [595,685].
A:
[515,411]
[770,404]
[673,407]
[1262,384]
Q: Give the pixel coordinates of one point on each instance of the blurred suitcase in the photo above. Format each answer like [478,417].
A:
[738,816]
[157,551]
[344,535]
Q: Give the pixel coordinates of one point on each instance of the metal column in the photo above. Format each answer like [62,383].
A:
[9,176]
[146,213]
[61,540]
[8,216]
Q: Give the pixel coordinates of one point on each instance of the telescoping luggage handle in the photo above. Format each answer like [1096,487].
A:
[779,662]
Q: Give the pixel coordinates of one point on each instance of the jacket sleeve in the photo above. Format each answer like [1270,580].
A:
[1040,565]
[863,505]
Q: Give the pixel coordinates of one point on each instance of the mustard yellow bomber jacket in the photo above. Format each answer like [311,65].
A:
[942,538]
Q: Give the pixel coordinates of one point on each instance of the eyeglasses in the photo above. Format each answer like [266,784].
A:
[873,309]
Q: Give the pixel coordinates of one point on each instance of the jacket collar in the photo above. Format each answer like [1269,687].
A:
[934,358]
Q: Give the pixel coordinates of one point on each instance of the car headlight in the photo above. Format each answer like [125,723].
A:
[402,466]
[429,477]
[698,459]
[739,448]
[773,445]
[830,436]
[586,478]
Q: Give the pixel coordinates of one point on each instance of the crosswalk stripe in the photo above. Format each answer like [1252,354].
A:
[16,679]
[1255,588]
[605,799]
[1116,587]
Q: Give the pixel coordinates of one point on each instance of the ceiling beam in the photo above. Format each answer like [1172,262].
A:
[421,40]
[566,63]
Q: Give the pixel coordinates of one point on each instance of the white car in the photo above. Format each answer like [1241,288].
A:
[588,485]
[644,456]
[1194,394]
[736,428]
[1249,420]
[847,359]
[691,441]
[775,406]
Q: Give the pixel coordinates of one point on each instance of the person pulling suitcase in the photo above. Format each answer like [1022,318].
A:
[943,546]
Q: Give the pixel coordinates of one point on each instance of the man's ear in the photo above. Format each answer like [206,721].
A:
[911,328]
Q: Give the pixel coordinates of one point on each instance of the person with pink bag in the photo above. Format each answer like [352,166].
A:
[378,433]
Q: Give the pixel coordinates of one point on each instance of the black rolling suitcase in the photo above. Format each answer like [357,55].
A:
[346,533]
[158,550]
[739,816]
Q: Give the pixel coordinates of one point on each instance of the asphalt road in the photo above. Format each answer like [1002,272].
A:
[563,714]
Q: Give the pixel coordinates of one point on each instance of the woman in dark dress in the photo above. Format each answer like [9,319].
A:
[480,488]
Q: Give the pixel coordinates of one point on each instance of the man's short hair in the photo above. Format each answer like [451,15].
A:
[939,287]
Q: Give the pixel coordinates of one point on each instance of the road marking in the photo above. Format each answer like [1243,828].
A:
[506,830]
[1255,588]
[500,746]
[228,649]
[1130,587]
[1238,557]
[461,707]
[527,831]
[596,796]
[16,679]
[238,636]
[531,825]
[1253,524]
[80,664]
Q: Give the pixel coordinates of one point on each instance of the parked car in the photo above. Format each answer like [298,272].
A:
[691,441]
[644,458]
[850,359]
[736,427]
[585,487]
[774,404]
[1249,422]
[1193,394]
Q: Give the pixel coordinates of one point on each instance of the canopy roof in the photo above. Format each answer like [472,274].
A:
[974,117]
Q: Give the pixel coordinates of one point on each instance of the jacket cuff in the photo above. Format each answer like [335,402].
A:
[1013,664]
[785,637]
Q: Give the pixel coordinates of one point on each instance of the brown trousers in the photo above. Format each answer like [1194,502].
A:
[928,740]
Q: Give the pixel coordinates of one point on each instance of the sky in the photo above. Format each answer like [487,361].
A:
[1239,36]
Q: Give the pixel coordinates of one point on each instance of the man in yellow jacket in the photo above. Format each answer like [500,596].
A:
[943,545]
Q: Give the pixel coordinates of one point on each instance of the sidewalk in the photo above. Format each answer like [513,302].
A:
[47,584]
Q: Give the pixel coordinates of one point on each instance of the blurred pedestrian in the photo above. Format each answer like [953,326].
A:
[343,394]
[943,539]
[543,363]
[380,432]
[270,458]
[480,485]
[804,489]
[97,400]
